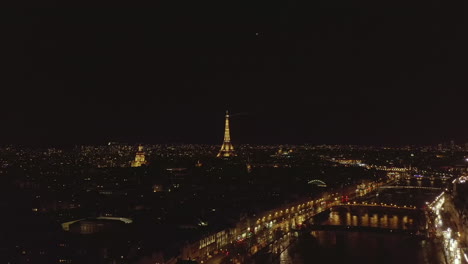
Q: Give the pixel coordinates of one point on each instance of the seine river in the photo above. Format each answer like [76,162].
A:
[363,247]
[360,247]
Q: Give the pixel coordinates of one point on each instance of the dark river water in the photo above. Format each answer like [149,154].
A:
[360,247]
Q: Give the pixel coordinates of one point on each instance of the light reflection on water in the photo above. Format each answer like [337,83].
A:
[371,220]
[348,244]
[360,247]
[286,256]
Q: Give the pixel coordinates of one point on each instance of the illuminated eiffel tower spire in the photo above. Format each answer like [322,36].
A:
[227,150]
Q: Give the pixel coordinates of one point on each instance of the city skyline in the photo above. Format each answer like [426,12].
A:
[243,136]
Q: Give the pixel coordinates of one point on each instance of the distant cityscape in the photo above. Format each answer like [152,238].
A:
[126,203]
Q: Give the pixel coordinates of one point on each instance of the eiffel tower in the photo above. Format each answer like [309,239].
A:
[227,150]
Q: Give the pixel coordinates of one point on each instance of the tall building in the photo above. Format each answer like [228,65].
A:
[139,158]
[227,150]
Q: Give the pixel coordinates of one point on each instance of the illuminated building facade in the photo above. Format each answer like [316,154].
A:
[227,150]
[139,158]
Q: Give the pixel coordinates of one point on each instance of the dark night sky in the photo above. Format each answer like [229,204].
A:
[331,72]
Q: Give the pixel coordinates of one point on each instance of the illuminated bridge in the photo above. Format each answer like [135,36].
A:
[319,183]
[353,217]
[368,217]
[432,178]
[374,205]
[352,228]
[410,187]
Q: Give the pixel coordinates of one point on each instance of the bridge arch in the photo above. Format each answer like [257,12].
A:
[319,183]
